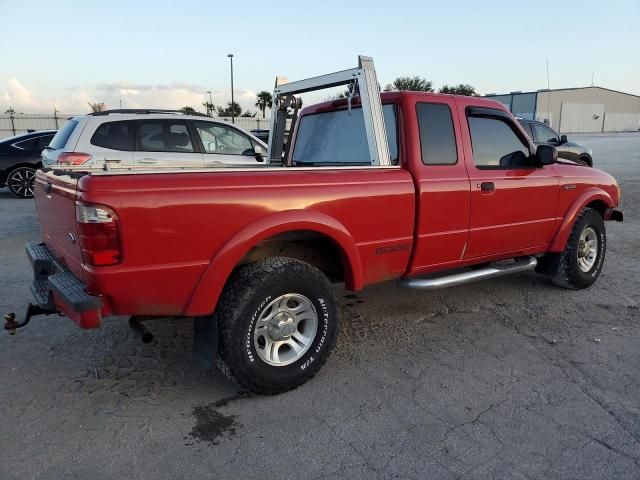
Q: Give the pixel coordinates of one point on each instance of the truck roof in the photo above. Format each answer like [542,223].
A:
[393,97]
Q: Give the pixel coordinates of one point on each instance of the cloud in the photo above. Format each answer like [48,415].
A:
[75,100]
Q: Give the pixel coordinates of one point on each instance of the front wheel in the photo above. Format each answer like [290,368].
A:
[277,323]
[20,182]
[582,259]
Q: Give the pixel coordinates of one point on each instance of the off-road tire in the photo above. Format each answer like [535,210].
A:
[569,274]
[246,294]
[583,161]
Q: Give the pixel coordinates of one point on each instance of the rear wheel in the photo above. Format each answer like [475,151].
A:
[277,323]
[20,182]
[582,259]
[583,161]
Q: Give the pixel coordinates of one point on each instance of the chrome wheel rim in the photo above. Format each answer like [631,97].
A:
[20,182]
[285,329]
[587,249]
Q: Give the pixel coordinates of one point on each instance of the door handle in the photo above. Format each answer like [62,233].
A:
[487,187]
[147,160]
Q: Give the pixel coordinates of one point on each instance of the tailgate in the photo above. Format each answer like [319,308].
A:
[55,197]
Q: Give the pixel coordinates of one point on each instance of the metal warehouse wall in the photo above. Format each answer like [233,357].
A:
[590,109]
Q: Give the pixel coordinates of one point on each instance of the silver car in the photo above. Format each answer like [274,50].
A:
[152,137]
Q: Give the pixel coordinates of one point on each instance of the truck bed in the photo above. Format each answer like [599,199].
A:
[173,223]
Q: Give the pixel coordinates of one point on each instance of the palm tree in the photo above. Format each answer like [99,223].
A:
[265,100]
[414,84]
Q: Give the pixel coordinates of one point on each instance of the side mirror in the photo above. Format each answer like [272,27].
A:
[546,155]
[563,139]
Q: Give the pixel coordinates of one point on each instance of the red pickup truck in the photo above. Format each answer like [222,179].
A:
[251,253]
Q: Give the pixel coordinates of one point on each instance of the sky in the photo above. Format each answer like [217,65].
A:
[168,54]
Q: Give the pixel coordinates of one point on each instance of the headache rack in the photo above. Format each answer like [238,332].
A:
[361,81]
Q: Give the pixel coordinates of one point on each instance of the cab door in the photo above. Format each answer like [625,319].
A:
[442,184]
[513,200]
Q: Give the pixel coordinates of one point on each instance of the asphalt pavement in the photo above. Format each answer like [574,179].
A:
[511,378]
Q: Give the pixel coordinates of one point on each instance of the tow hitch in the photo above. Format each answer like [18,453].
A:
[10,323]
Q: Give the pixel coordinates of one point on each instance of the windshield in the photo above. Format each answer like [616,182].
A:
[339,138]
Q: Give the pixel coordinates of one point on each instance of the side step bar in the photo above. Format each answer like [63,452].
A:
[528,263]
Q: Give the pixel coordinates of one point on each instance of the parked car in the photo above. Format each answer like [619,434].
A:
[261,134]
[19,160]
[250,254]
[541,133]
[152,137]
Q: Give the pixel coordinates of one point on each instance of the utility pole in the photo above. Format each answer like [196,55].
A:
[548,96]
[232,101]
[210,106]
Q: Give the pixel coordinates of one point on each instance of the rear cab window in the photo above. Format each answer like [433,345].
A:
[338,138]
[60,139]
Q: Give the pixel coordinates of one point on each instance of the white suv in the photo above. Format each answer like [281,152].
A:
[152,137]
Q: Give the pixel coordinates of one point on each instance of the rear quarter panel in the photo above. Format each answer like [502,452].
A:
[172,226]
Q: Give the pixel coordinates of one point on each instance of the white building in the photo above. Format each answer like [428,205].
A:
[569,110]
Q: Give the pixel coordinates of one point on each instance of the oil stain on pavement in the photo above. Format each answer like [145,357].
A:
[211,425]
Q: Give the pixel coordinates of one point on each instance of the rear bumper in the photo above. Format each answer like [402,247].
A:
[56,288]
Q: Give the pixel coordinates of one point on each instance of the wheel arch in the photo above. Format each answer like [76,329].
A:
[289,226]
[595,198]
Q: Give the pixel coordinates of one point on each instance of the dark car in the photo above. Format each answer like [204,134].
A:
[541,133]
[19,160]
[261,134]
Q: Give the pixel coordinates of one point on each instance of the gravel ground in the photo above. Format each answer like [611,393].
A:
[510,378]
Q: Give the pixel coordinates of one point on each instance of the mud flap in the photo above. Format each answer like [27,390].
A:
[205,341]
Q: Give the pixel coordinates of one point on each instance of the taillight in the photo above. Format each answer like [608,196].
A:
[73,158]
[98,234]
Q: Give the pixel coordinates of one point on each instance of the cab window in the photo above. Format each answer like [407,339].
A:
[496,145]
[437,137]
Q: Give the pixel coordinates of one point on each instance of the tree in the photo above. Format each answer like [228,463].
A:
[210,108]
[249,114]
[227,112]
[188,110]
[265,100]
[460,89]
[10,111]
[414,84]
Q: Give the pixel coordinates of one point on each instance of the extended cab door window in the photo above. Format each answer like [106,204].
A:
[496,145]
[339,138]
[437,137]
[166,142]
